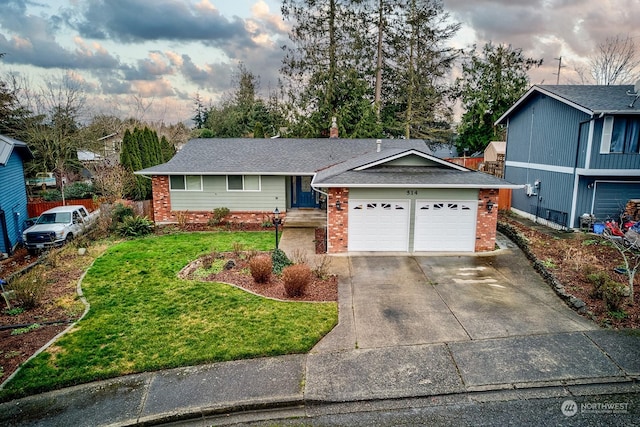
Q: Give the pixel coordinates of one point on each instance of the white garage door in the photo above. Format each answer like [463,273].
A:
[445,226]
[379,225]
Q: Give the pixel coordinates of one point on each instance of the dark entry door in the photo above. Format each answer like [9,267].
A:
[303,195]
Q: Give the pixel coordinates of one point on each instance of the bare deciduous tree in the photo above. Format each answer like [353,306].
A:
[616,61]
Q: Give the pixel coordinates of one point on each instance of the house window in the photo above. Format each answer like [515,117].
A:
[620,135]
[243,183]
[185,182]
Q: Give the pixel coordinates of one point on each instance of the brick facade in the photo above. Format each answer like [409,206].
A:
[163,214]
[338,221]
[487,222]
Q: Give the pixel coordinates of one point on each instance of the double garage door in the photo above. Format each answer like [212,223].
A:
[385,225]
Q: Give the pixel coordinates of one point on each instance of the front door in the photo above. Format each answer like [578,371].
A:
[302,195]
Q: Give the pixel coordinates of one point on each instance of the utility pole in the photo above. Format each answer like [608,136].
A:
[559,59]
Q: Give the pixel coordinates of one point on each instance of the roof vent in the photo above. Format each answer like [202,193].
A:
[378,145]
[635,93]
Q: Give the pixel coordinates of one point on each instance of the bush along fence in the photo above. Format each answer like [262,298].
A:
[517,238]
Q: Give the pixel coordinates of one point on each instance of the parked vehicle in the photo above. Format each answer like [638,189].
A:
[42,179]
[57,226]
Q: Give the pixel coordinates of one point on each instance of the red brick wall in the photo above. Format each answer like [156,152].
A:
[337,221]
[163,213]
[487,221]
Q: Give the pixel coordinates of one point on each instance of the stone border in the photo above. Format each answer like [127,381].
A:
[572,301]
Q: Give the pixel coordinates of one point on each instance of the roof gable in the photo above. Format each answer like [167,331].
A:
[411,158]
[590,99]
[8,145]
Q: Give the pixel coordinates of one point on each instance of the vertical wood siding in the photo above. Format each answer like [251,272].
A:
[13,199]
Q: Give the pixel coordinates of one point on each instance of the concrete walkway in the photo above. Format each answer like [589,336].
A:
[437,331]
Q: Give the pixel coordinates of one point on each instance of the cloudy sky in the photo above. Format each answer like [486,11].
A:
[151,57]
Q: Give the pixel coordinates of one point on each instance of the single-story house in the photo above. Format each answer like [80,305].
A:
[379,195]
[13,191]
[576,151]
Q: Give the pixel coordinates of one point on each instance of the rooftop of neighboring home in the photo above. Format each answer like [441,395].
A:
[591,99]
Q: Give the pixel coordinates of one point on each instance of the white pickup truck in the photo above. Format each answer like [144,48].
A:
[57,226]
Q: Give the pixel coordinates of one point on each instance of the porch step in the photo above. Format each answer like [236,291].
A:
[305,218]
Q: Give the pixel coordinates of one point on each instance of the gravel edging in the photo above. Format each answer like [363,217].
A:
[572,301]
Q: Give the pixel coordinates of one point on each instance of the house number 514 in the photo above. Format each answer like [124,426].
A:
[412,192]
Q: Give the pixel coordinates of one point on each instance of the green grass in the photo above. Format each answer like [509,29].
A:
[143,318]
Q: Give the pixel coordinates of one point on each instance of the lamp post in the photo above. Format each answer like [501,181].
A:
[276,222]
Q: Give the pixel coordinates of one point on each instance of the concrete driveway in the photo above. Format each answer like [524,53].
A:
[409,300]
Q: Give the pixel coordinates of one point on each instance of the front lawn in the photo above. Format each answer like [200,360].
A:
[144,318]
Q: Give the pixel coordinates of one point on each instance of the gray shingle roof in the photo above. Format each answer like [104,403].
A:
[269,156]
[418,177]
[592,99]
[332,161]
[596,98]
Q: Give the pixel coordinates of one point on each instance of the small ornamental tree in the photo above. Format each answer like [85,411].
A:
[631,259]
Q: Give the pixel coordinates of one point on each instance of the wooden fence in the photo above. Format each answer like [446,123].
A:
[36,208]
[504,199]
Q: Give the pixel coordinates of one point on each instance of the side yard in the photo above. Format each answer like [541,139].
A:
[578,264]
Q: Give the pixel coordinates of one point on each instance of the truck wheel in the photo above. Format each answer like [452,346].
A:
[69,238]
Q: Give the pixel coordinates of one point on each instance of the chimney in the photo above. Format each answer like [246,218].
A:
[378,145]
[333,132]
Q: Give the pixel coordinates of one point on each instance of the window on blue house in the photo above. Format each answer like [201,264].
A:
[620,135]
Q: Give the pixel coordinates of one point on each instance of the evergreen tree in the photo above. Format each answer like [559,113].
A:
[492,81]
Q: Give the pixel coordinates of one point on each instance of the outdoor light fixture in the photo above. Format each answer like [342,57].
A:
[338,205]
[276,222]
[490,206]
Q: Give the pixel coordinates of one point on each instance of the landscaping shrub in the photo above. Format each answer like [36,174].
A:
[121,211]
[79,190]
[296,278]
[218,216]
[606,289]
[260,267]
[29,287]
[52,195]
[135,226]
[279,260]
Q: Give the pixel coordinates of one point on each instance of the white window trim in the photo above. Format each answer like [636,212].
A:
[243,185]
[607,133]
[184,178]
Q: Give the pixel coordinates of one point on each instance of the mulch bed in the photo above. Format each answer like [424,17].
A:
[325,289]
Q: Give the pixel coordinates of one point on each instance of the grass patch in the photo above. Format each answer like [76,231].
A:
[143,318]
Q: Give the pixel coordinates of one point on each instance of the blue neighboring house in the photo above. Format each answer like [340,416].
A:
[13,191]
[576,149]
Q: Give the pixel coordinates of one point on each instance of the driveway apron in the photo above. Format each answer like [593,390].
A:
[395,304]
[414,300]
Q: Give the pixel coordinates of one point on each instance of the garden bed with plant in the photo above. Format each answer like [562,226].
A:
[586,266]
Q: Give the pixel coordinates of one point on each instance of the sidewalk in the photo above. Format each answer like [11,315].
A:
[335,373]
